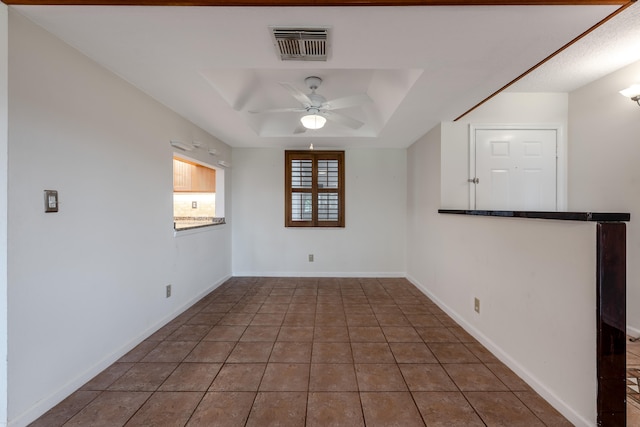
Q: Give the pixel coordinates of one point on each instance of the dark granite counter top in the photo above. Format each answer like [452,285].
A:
[564,216]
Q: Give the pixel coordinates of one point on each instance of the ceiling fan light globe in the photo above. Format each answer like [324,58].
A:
[313,121]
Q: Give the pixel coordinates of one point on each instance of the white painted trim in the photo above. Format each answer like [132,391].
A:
[561,153]
[63,392]
[497,351]
[633,332]
[385,275]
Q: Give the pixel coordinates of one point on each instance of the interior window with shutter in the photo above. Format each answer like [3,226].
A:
[314,186]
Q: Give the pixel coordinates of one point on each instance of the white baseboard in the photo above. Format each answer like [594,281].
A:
[561,406]
[633,332]
[63,392]
[318,274]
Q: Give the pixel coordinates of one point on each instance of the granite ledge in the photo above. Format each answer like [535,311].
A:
[563,216]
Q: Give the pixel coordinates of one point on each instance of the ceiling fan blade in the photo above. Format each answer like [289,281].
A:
[297,94]
[280,110]
[347,101]
[342,119]
[300,129]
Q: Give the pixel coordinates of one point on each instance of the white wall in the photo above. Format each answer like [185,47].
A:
[371,244]
[87,283]
[604,156]
[4,57]
[535,280]
[505,108]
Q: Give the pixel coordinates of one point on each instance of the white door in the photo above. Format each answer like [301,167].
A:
[516,169]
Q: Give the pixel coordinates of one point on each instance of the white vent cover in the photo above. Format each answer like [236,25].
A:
[301,44]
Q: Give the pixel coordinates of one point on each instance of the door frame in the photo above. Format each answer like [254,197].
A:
[561,156]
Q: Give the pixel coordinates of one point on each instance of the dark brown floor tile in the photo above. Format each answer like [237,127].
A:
[401,334]
[285,377]
[544,410]
[446,409]
[144,377]
[331,352]
[104,379]
[390,308]
[210,352]
[304,299]
[390,409]
[301,308]
[361,320]
[239,377]
[140,351]
[333,305]
[424,320]
[409,309]
[246,307]
[436,334]
[225,333]
[268,319]
[250,352]
[333,377]
[462,335]
[166,409]
[210,319]
[237,319]
[273,308]
[427,377]
[334,410]
[482,353]
[163,332]
[291,352]
[189,333]
[223,409]
[170,351]
[354,309]
[299,319]
[283,291]
[366,334]
[412,352]
[216,307]
[452,353]
[191,377]
[331,334]
[390,319]
[296,333]
[284,409]
[446,320]
[508,377]
[502,409]
[260,333]
[474,377]
[331,319]
[66,409]
[111,408]
[278,299]
[379,377]
[365,352]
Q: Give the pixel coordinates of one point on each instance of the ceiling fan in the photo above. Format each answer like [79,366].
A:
[318,110]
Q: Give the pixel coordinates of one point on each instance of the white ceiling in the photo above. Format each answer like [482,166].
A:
[420,65]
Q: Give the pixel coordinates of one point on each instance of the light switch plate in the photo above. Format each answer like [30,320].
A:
[50,201]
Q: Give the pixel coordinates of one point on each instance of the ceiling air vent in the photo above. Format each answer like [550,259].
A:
[301,44]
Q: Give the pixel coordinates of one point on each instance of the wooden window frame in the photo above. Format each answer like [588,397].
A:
[315,190]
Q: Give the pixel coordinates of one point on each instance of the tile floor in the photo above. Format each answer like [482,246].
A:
[307,352]
[633,371]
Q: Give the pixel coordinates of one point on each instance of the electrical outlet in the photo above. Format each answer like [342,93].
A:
[310,257]
[476,305]
[168,291]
